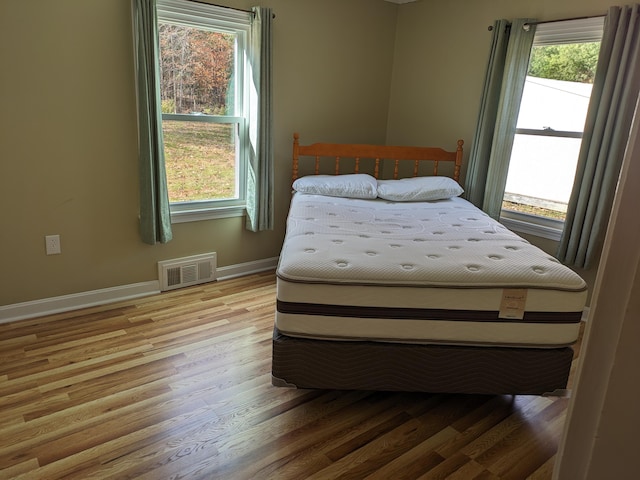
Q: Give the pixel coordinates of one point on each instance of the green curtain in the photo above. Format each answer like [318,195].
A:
[155,217]
[481,147]
[260,165]
[611,108]
[515,72]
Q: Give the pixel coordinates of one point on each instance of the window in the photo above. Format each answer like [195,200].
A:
[549,129]
[202,71]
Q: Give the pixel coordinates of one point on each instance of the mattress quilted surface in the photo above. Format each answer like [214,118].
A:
[446,243]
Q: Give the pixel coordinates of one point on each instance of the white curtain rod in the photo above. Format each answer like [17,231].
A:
[273,15]
[527,25]
[222,6]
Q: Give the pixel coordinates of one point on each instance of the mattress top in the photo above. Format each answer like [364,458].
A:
[447,243]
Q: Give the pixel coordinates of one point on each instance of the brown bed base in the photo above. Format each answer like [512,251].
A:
[378,366]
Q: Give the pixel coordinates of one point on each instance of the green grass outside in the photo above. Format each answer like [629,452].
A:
[200,160]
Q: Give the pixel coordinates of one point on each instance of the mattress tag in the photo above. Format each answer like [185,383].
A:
[513,303]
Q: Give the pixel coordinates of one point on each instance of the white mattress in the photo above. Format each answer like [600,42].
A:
[441,272]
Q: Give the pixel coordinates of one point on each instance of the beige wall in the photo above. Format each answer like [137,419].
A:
[68,137]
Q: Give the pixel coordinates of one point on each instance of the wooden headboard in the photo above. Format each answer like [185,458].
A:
[377,153]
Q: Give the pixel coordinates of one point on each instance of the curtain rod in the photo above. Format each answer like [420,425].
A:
[222,6]
[526,26]
[273,15]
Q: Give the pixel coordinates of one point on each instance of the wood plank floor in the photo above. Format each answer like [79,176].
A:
[178,385]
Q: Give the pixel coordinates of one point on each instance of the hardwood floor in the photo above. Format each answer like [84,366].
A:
[178,385]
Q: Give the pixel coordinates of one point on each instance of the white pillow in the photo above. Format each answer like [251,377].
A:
[418,189]
[355,185]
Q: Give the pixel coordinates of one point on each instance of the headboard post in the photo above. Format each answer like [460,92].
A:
[296,154]
[458,163]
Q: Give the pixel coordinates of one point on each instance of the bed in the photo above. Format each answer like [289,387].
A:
[388,280]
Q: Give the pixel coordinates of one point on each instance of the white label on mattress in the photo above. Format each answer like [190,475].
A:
[513,303]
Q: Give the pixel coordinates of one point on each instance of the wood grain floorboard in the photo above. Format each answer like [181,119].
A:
[178,385]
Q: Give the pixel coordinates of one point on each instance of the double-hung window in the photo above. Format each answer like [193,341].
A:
[549,129]
[204,113]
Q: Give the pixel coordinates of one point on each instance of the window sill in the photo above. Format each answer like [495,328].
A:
[184,216]
[532,225]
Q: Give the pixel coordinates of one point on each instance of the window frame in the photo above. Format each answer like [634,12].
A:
[582,30]
[225,20]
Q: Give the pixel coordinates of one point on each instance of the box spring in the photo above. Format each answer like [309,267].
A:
[363,365]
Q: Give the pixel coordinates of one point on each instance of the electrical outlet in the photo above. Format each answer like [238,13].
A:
[52,244]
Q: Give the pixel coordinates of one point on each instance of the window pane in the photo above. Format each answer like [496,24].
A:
[200,160]
[541,174]
[196,68]
[554,104]
[555,99]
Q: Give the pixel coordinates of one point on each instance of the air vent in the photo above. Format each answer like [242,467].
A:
[183,272]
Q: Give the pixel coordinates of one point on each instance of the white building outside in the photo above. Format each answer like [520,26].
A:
[542,168]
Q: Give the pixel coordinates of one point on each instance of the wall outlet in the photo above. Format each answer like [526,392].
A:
[52,244]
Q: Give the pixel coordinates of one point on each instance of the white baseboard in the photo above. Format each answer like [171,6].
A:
[75,301]
[585,314]
[240,269]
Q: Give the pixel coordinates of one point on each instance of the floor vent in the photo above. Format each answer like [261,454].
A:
[183,272]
